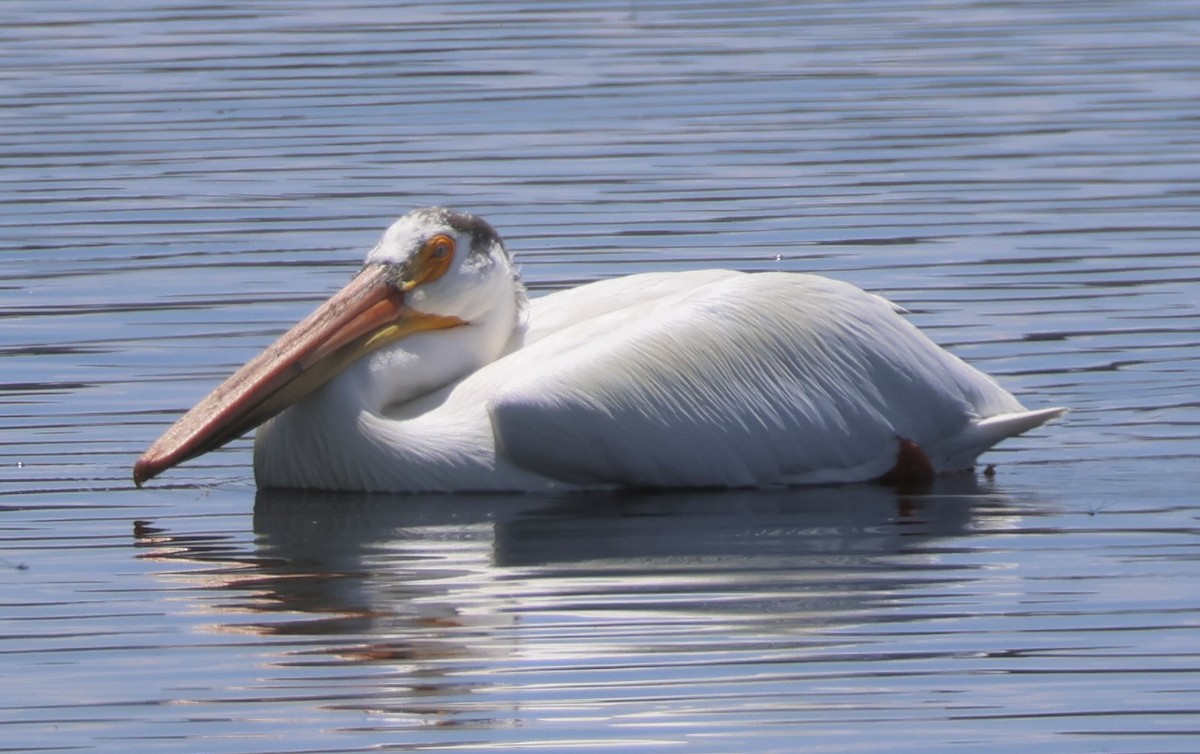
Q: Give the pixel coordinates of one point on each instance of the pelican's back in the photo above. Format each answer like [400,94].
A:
[733,379]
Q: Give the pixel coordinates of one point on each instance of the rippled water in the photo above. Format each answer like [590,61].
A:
[182,180]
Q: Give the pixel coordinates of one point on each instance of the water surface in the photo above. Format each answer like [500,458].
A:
[183,181]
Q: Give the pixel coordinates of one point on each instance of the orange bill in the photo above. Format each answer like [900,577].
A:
[367,313]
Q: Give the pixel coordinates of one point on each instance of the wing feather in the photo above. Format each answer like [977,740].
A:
[731,380]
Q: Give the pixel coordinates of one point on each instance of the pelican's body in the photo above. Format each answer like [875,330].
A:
[697,379]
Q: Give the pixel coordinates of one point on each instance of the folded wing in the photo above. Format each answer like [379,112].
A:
[737,379]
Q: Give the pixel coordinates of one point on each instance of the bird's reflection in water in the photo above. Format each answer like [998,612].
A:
[454,591]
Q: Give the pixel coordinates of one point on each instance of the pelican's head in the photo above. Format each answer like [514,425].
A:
[434,269]
[447,263]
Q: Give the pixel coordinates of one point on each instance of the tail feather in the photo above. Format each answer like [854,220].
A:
[960,451]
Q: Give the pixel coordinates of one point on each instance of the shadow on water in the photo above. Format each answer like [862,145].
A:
[543,531]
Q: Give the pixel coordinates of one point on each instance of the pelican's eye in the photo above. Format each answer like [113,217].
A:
[431,261]
[439,247]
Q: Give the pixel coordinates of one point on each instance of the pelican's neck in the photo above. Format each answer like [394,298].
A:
[377,421]
[419,364]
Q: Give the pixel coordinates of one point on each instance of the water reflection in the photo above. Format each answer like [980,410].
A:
[451,597]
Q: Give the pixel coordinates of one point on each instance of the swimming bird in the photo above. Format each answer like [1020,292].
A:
[432,371]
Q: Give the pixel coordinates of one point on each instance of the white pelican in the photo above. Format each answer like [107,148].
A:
[431,371]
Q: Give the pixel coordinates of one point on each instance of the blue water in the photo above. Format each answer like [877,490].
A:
[182,181]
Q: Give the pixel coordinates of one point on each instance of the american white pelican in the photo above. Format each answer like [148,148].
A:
[431,371]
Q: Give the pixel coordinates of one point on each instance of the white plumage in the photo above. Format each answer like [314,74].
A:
[695,379]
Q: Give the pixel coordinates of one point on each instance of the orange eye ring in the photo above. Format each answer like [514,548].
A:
[440,246]
[432,261]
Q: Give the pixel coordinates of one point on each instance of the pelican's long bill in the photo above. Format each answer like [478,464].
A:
[369,312]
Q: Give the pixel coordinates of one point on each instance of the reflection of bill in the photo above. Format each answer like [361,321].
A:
[453,609]
[340,564]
